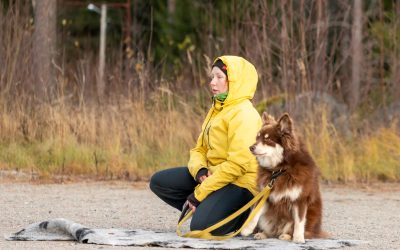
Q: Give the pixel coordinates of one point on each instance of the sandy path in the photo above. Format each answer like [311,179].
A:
[350,213]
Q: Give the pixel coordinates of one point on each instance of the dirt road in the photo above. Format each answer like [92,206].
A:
[370,213]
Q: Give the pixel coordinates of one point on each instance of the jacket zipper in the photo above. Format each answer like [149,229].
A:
[208,136]
[207,131]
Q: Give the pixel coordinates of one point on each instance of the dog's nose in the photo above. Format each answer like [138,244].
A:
[252,147]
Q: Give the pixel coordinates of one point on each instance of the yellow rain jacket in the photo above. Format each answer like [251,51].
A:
[228,131]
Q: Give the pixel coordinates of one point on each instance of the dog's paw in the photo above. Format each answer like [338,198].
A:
[246,231]
[298,239]
[285,237]
[260,236]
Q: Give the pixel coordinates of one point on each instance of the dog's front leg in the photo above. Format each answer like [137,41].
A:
[299,217]
[253,223]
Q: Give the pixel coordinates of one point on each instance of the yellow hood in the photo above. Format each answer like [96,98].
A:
[242,78]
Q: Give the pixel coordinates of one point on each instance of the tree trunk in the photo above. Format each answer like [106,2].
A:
[357,54]
[319,69]
[44,47]
[171,6]
[285,48]
[396,61]
[302,62]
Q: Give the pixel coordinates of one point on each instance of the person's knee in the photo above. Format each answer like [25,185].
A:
[198,223]
[203,219]
[203,223]
[154,182]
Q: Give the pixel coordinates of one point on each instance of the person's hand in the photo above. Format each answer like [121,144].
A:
[192,207]
[203,177]
[192,202]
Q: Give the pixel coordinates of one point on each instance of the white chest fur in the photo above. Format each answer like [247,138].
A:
[291,194]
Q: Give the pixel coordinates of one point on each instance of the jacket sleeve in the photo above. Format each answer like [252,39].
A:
[242,131]
[197,158]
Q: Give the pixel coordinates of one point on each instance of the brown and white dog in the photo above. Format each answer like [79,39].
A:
[293,210]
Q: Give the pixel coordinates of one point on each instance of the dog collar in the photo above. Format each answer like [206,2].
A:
[274,176]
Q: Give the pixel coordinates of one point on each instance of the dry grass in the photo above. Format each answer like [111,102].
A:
[125,140]
[378,156]
[361,157]
[130,140]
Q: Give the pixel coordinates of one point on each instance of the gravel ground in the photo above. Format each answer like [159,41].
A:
[369,213]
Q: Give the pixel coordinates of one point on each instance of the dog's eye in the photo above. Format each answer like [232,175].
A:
[269,142]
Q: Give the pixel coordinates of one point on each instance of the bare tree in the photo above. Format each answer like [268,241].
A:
[171,7]
[319,67]
[44,46]
[357,54]
[285,47]
[396,56]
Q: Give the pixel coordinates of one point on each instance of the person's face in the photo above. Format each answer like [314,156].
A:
[218,83]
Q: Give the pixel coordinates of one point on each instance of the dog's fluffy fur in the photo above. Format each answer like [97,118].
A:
[293,210]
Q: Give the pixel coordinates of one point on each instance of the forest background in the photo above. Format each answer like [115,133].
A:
[334,65]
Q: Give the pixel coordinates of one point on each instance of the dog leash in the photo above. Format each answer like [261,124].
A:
[206,233]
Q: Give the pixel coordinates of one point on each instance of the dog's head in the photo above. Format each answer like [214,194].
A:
[274,140]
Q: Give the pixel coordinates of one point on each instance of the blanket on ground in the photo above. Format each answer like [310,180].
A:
[65,230]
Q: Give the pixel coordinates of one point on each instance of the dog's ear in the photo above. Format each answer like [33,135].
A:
[285,124]
[268,119]
[288,136]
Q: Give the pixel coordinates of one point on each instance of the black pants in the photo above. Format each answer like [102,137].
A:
[175,184]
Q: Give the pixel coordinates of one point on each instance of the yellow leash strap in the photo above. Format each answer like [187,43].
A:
[206,233]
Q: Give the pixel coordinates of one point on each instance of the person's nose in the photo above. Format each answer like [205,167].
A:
[213,82]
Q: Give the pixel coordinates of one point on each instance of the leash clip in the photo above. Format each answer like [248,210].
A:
[271,183]
[185,210]
[274,176]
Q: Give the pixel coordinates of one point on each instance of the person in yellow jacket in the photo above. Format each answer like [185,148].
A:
[221,174]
